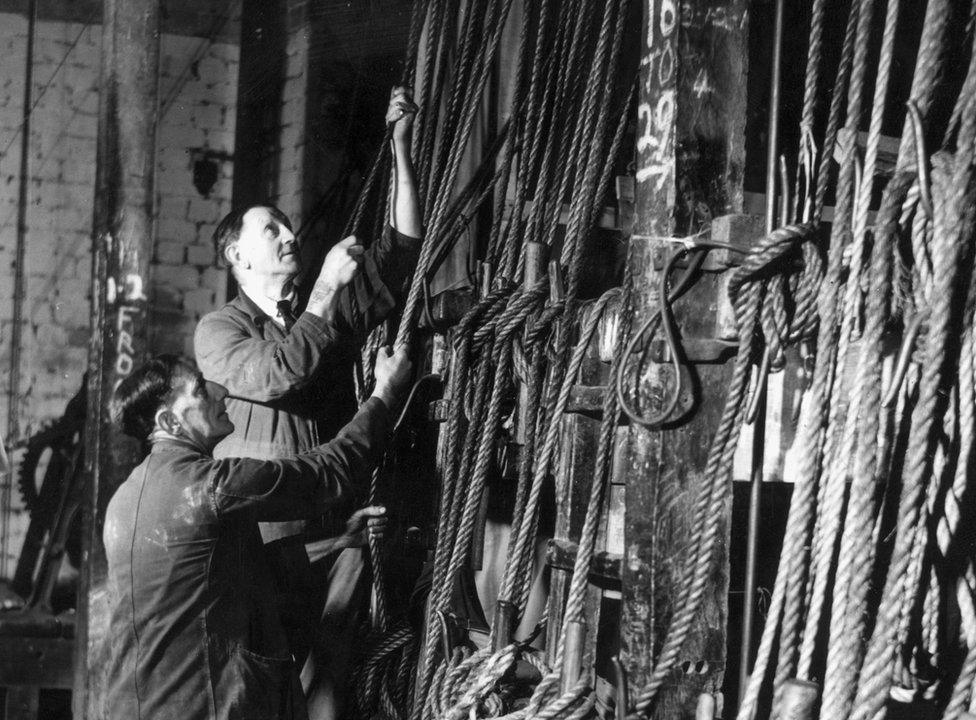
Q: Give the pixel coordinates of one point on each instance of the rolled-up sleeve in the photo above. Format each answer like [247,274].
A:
[302,487]
[382,285]
[261,369]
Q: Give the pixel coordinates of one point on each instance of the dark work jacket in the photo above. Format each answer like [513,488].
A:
[194,630]
[289,390]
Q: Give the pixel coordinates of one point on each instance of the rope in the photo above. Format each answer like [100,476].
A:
[492,340]
[905,466]
[748,289]
[451,497]
[874,686]
[835,488]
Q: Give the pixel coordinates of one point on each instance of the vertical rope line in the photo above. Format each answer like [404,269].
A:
[875,680]
[814,410]
[793,600]
[834,499]
[836,111]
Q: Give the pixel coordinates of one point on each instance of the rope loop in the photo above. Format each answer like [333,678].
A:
[788,267]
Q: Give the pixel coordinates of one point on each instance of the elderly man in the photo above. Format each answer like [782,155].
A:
[194,631]
[288,369]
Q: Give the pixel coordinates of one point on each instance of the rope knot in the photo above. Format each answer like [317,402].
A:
[776,289]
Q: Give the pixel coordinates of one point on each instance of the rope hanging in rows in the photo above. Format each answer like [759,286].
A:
[435,219]
[906,457]
[482,409]
[778,255]
[589,196]
[385,685]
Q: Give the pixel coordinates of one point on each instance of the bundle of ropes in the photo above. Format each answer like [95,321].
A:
[885,481]
[566,124]
[876,562]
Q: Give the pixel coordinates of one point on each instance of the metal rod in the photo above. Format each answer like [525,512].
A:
[13,396]
[759,426]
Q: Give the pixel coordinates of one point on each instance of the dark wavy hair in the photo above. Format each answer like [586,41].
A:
[229,229]
[140,395]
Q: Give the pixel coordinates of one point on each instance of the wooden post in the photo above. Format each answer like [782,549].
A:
[122,248]
[691,121]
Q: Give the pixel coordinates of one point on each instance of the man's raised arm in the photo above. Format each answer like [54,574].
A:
[405,214]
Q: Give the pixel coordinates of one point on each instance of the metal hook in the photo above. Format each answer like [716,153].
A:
[753,407]
[620,693]
[921,158]
[408,405]
[447,640]
[904,357]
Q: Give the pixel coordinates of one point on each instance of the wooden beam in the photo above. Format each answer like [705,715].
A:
[691,121]
[123,242]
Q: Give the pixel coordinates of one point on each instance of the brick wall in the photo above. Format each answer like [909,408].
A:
[197,96]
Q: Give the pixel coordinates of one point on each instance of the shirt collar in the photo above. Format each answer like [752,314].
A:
[262,305]
[164,442]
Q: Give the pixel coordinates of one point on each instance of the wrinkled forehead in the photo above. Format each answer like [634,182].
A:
[260,215]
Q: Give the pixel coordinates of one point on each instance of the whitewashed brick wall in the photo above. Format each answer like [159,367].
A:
[198,86]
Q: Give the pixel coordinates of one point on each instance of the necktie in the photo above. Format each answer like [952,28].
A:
[285,313]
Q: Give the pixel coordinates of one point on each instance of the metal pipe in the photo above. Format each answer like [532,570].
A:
[13,420]
[759,426]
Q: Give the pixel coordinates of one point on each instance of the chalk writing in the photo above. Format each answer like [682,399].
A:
[131,289]
[125,351]
[655,143]
[656,114]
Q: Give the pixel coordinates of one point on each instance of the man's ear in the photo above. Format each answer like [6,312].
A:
[233,256]
[166,420]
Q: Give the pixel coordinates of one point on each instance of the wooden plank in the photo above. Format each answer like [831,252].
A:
[604,569]
[691,120]
[575,471]
[123,242]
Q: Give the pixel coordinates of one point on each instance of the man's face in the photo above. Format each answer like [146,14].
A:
[266,246]
[198,407]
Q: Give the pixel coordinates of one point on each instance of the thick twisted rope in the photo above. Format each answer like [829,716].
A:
[796,576]
[949,231]
[496,665]
[746,290]
[833,499]
[451,495]
[450,171]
